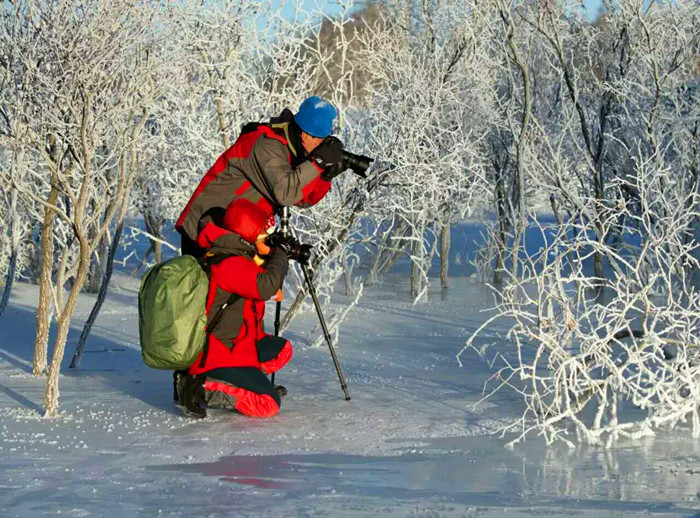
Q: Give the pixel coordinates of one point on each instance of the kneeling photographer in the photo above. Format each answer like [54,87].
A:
[231,370]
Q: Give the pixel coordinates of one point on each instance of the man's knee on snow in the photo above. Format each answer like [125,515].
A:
[258,405]
[244,389]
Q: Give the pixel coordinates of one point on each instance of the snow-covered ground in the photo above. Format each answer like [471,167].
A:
[410,443]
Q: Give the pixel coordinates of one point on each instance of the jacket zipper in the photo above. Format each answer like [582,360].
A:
[235,341]
[255,314]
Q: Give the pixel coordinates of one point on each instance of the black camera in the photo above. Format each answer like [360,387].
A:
[296,251]
[301,253]
[358,163]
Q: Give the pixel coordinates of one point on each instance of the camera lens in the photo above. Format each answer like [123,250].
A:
[358,163]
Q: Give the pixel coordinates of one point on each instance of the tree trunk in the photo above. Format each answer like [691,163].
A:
[51,399]
[347,275]
[445,239]
[294,308]
[14,235]
[598,266]
[100,297]
[43,312]
[500,265]
[374,269]
[415,274]
[62,328]
[9,280]
[394,257]
[503,226]
[158,252]
[600,229]
[501,246]
[417,253]
[520,226]
[97,268]
[376,262]
[384,253]
[34,255]
[154,226]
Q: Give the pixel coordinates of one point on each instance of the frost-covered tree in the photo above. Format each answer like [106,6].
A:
[583,359]
[427,102]
[14,240]
[90,94]
[21,216]
[514,58]
[604,316]
[206,96]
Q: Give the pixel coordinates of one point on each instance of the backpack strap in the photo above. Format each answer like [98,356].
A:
[206,262]
[209,259]
[212,325]
[284,127]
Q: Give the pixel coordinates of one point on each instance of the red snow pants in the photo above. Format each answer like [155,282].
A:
[247,389]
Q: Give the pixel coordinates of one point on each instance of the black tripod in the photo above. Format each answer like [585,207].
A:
[310,285]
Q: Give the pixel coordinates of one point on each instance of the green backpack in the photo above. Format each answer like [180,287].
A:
[172,313]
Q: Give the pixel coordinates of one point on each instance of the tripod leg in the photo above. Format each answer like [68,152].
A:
[326,334]
[278,311]
[284,223]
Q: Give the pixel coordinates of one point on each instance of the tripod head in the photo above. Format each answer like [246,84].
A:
[285,239]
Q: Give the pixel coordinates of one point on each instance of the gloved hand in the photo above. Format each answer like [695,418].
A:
[273,240]
[329,156]
[290,246]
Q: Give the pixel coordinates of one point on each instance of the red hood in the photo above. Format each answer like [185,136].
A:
[245,219]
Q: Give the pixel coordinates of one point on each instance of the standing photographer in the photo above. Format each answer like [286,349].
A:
[289,161]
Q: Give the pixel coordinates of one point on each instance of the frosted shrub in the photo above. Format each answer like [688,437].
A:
[612,357]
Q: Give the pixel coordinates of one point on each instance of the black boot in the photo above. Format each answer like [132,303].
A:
[176,380]
[191,395]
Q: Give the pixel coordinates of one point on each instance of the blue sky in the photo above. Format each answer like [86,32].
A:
[331,6]
[592,6]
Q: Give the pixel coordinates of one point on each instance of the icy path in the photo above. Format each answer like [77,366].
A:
[410,442]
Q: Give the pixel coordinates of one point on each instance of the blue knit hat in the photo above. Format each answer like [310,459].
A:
[316,116]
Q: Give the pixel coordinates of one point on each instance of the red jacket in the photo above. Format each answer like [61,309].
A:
[232,342]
